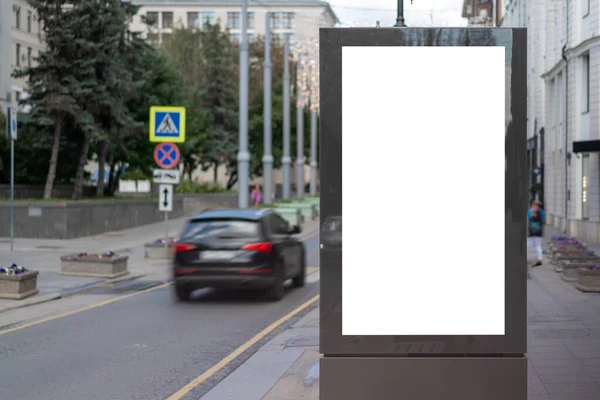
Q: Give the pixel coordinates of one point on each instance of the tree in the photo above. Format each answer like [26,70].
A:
[184,48]
[55,83]
[219,100]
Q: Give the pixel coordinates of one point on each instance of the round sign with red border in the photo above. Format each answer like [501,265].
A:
[166,155]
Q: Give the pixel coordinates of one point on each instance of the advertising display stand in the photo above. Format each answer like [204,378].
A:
[423,158]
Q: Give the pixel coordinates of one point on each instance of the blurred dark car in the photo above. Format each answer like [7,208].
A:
[238,249]
[331,233]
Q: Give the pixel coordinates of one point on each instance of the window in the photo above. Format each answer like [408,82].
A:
[288,20]
[276,20]
[193,21]
[276,38]
[152,18]
[235,38]
[251,37]
[167,20]
[29,21]
[278,226]
[585,8]
[233,20]
[211,228]
[29,56]
[585,83]
[585,207]
[153,38]
[18,55]
[250,20]
[18,18]
[208,18]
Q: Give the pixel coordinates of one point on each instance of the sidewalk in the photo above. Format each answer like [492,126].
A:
[563,350]
[43,255]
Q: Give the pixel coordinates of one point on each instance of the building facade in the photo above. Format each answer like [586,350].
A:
[532,15]
[21,40]
[301,19]
[563,109]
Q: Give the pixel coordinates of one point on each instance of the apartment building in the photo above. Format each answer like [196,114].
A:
[299,18]
[531,14]
[563,108]
[20,42]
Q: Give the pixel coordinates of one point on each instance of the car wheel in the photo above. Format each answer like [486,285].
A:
[300,279]
[277,291]
[182,293]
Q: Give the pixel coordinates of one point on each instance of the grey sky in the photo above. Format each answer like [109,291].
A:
[420,13]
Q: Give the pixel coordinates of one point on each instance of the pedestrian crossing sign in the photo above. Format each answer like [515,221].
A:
[167,124]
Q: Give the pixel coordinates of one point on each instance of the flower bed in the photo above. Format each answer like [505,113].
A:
[17,282]
[157,249]
[588,279]
[105,265]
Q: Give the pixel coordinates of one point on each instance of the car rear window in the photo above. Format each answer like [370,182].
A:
[220,228]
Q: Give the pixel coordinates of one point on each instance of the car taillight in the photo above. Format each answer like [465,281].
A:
[181,247]
[259,247]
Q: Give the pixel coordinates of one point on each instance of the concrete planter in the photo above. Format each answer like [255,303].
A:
[17,287]
[113,267]
[568,257]
[588,280]
[308,211]
[158,250]
[570,269]
[563,264]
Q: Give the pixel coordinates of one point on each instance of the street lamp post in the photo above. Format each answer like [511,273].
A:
[299,132]
[400,20]
[243,156]
[268,156]
[286,160]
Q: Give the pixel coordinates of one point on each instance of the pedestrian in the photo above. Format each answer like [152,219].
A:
[256,195]
[536,218]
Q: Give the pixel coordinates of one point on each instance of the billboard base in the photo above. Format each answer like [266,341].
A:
[423,378]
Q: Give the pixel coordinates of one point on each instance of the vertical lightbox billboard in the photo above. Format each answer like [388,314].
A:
[431,124]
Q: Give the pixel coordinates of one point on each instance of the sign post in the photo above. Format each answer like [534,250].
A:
[167,127]
[11,130]
[165,203]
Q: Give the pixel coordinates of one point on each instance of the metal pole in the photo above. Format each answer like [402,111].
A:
[268,156]
[400,20]
[243,156]
[313,151]
[166,230]
[12,188]
[299,133]
[286,160]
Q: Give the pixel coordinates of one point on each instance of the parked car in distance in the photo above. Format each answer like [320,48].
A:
[238,249]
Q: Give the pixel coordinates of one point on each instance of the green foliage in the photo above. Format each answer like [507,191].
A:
[93,85]
[188,186]
[134,176]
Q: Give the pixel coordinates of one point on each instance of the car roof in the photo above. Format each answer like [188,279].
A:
[253,214]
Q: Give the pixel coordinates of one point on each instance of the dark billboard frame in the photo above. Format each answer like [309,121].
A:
[332,342]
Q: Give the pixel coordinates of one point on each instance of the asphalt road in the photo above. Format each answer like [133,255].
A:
[143,347]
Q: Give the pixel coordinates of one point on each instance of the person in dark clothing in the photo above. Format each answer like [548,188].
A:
[536,218]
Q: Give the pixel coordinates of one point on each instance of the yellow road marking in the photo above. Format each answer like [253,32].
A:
[104,303]
[223,363]
[311,270]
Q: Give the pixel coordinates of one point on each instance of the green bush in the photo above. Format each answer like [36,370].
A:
[187,186]
[134,176]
